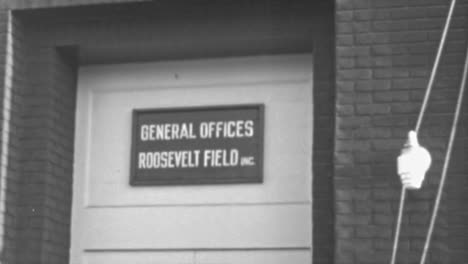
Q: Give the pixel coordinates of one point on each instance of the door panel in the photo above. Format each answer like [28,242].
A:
[245,222]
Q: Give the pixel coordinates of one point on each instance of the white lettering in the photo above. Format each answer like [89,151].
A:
[249,130]
[206,130]
[203,130]
[175,131]
[230,129]
[141,160]
[169,159]
[220,158]
[144,133]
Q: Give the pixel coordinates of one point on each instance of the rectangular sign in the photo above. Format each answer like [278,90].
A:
[197,145]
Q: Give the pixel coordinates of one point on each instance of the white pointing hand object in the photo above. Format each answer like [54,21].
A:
[413,162]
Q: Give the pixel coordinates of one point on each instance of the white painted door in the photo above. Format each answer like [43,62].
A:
[270,222]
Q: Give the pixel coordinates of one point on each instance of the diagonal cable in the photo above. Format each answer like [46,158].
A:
[419,121]
[453,133]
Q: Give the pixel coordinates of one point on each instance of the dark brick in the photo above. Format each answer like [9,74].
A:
[364,39]
[346,63]
[357,74]
[361,4]
[353,220]
[391,25]
[373,109]
[344,27]
[352,51]
[408,37]
[344,207]
[363,207]
[345,86]
[366,133]
[366,232]
[362,15]
[344,40]
[391,96]
[390,121]
[345,110]
[344,4]
[345,232]
[406,108]
[344,16]
[390,73]
[362,26]
[363,62]
[395,3]
[382,219]
[372,85]
[353,145]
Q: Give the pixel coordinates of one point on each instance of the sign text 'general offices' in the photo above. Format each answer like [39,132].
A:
[197,145]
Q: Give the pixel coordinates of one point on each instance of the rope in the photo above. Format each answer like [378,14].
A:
[398,226]
[453,132]
[436,65]
[419,121]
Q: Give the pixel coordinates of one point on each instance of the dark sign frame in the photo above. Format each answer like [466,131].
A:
[135,180]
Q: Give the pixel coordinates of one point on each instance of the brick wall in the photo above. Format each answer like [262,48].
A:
[384,54]
[47,127]
[7,212]
[34,4]
[13,70]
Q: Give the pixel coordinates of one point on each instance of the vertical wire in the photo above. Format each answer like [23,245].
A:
[453,133]
[419,121]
